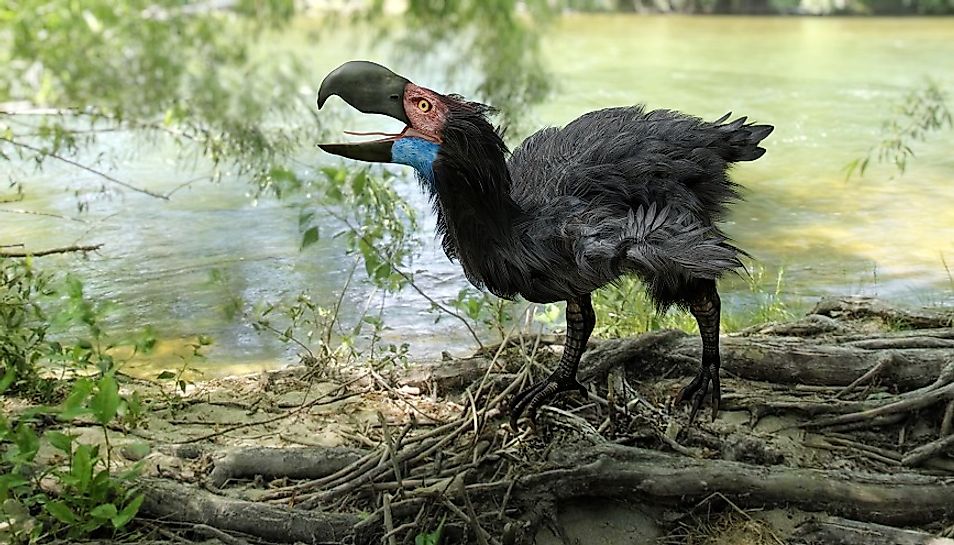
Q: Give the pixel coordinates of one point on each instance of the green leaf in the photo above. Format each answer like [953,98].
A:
[359,181]
[106,401]
[165,375]
[128,512]
[82,468]
[304,218]
[8,378]
[310,237]
[105,511]
[74,405]
[60,512]
[60,441]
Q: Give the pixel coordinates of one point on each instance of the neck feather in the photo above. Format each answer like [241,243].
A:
[471,191]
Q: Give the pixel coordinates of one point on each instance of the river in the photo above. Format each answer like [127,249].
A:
[827,84]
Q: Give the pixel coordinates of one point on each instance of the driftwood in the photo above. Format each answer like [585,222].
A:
[170,501]
[839,531]
[270,463]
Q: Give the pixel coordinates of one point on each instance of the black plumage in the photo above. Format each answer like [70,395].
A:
[617,191]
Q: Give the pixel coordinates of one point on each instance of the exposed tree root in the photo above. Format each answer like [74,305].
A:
[615,471]
[170,501]
[272,463]
[868,307]
[839,531]
[874,410]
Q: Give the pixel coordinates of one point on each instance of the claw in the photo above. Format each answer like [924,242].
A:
[532,398]
[705,382]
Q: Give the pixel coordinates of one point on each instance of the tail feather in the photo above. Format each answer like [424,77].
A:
[742,139]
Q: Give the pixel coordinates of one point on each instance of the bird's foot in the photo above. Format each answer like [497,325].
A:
[532,398]
[706,381]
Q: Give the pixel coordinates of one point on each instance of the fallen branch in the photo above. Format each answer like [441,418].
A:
[51,251]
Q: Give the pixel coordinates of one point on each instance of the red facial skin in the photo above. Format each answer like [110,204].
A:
[426,111]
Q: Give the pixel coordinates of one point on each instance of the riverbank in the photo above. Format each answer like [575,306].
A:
[833,426]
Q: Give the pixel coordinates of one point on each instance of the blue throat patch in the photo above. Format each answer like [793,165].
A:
[418,153]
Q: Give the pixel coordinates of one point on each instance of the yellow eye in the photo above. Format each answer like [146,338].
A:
[424,105]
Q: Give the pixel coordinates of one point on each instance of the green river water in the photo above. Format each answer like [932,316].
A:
[825,83]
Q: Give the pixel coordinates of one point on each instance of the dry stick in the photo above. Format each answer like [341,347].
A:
[883,361]
[876,422]
[356,479]
[380,380]
[472,513]
[922,453]
[826,445]
[472,522]
[848,441]
[388,520]
[905,405]
[506,498]
[389,445]
[213,532]
[377,471]
[51,251]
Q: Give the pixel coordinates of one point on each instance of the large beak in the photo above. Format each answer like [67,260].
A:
[369,88]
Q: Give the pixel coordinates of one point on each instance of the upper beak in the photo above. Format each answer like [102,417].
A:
[369,88]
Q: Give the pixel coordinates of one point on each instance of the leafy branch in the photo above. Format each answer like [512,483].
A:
[922,111]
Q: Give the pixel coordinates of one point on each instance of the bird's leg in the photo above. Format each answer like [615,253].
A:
[580,320]
[705,307]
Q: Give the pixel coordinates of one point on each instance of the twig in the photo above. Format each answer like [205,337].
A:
[405,276]
[904,405]
[293,412]
[210,531]
[400,395]
[389,444]
[883,361]
[482,536]
[35,213]
[839,439]
[51,251]
[471,513]
[81,166]
[388,519]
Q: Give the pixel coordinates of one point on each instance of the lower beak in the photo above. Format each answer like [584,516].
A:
[374,152]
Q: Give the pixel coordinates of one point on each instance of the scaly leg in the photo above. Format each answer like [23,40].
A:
[705,307]
[580,320]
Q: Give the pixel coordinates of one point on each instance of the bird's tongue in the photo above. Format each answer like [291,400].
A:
[388,137]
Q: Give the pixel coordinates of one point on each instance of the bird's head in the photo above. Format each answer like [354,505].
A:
[432,120]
